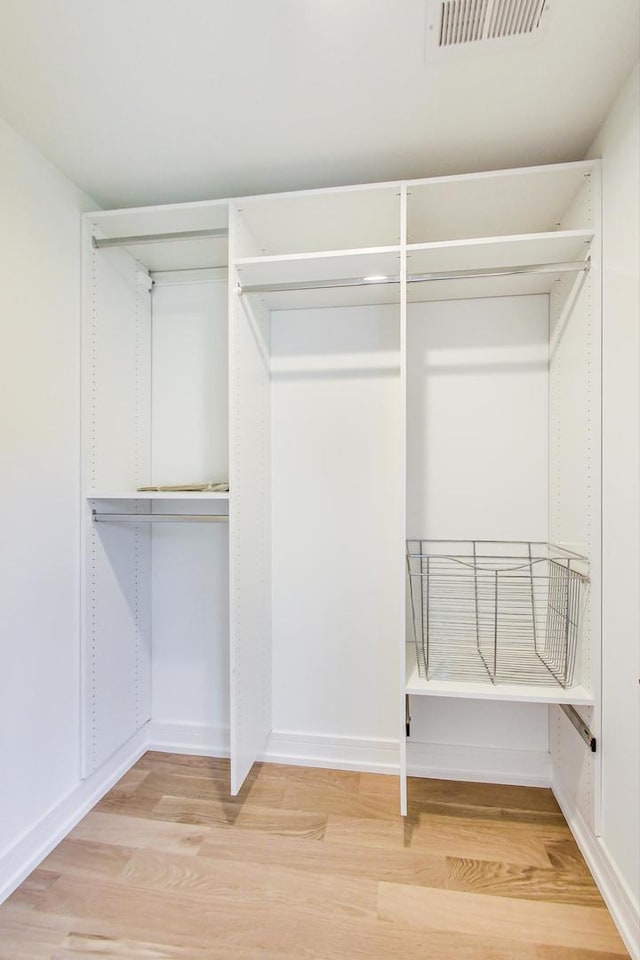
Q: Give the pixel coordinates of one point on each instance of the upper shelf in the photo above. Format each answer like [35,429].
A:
[272,275]
[498,203]
[177,253]
[457,222]
[493,253]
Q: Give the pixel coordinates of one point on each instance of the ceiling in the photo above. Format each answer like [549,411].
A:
[145,101]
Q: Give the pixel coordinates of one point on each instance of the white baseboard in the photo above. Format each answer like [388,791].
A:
[615,893]
[31,849]
[198,739]
[526,768]
[340,753]
[445,761]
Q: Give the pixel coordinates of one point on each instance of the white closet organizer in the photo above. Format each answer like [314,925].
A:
[414,360]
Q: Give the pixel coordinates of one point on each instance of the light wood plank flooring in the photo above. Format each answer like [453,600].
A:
[310,864]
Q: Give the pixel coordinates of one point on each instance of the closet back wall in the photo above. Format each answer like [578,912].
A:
[189,562]
[337,510]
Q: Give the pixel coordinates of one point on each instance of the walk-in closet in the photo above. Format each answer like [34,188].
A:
[321,451]
[399,384]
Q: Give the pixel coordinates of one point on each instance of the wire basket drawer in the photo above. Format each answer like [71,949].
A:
[498,611]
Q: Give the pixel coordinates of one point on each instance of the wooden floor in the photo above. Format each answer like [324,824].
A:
[310,864]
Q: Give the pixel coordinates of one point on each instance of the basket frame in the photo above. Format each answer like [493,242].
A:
[497,610]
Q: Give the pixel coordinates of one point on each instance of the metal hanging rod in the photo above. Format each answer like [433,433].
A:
[100,242]
[567,266]
[159,517]
[580,725]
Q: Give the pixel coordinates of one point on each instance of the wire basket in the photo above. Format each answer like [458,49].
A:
[498,611]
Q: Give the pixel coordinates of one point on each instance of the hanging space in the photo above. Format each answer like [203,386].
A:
[502,446]
[155,478]
[320,271]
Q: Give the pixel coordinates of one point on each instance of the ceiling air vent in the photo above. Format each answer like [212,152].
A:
[454,26]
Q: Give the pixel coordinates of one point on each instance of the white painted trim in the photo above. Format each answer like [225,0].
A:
[340,753]
[445,761]
[615,893]
[526,768]
[34,845]
[197,739]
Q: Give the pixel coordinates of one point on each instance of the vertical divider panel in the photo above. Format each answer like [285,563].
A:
[403,467]
[116,560]
[250,524]
[575,487]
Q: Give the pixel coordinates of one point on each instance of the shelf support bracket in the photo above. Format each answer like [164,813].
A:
[580,725]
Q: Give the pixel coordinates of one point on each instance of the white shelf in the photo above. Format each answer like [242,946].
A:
[320,267]
[169,495]
[497,252]
[178,254]
[524,200]
[493,253]
[523,693]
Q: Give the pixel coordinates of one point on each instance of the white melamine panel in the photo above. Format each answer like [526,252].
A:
[190,619]
[117,634]
[116,371]
[498,252]
[189,438]
[335,264]
[526,200]
[314,268]
[116,674]
[477,690]
[337,512]
[160,495]
[165,218]
[353,217]
[493,253]
[487,724]
[250,535]
[477,468]
[574,479]
[177,218]
[477,419]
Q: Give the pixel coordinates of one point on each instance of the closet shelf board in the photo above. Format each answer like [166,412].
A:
[169,495]
[320,265]
[468,690]
[498,252]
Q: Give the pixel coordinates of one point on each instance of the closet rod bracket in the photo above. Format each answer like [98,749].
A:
[580,725]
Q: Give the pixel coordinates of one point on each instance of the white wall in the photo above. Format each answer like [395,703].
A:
[39,484]
[619,145]
[336,510]
[190,562]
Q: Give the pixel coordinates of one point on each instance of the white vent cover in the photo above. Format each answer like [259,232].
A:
[481,25]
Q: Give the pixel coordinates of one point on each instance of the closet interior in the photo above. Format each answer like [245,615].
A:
[399,382]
